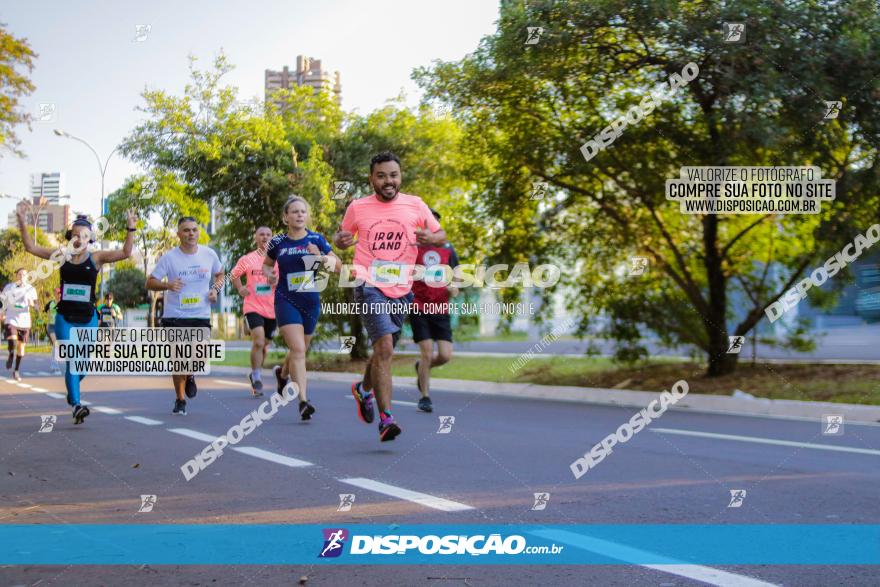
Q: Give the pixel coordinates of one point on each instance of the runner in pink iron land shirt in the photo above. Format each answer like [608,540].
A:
[259,304]
[389,227]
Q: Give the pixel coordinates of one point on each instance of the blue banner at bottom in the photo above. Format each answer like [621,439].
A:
[355,544]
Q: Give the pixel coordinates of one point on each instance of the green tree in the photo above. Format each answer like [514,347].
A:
[247,163]
[159,197]
[127,285]
[529,108]
[14,85]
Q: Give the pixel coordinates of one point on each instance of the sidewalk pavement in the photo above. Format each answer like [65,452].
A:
[717,404]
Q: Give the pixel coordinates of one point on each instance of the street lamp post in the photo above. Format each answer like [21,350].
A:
[102,168]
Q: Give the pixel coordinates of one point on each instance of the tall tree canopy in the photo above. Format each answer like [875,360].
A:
[15,53]
[528,109]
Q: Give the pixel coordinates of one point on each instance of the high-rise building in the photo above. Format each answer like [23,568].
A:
[308,72]
[51,217]
[47,185]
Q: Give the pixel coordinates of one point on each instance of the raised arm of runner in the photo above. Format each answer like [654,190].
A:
[102,257]
[29,245]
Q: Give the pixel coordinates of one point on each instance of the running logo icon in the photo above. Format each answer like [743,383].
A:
[733,32]
[541,500]
[341,189]
[534,35]
[346,500]
[736,344]
[737,496]
[47,423]
[141,31]
[539,190]
[46,112]
[334,541]
[832,109]
[832,425]
[346,344]
[446,423]
[148,189]
[638,265]
[147,503]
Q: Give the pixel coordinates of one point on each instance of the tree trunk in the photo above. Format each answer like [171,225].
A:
[720,362]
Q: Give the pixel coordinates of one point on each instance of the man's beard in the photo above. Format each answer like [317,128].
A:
[381,193]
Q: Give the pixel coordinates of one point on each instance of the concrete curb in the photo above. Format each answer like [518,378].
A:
[716,404]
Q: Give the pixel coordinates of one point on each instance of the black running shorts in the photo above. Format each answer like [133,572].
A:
[430,326]
[255,320]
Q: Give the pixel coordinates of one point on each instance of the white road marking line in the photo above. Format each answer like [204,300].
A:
[25,385]
[42,372]
[753,439]
[248,450]
[55,395]
[141,420]
[629,554]
[238,383]
[711,576]
[424,499]
[271,456]
[104,410]
[40,390]
[193,434]
[394,401]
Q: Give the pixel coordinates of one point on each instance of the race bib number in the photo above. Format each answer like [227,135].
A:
[387,272]
[435,274]
[74,292]
[301,281]
[191,301]
[263,289]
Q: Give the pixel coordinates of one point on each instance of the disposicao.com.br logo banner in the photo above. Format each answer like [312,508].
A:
[474,545]
[464,544]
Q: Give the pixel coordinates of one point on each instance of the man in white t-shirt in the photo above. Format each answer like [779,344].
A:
[193,275]
[18,298]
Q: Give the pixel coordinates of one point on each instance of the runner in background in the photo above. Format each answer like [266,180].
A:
[109,313]
[51,309]
[390,226]
[258,306]
[430,316]
[79,275]
[20,298]
[194,276]
[297,299]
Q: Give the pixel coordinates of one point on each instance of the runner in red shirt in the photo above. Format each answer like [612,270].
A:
[430,316]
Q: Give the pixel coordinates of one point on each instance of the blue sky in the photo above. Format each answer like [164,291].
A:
[91,68]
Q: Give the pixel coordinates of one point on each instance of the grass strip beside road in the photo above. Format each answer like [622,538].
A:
[856,384]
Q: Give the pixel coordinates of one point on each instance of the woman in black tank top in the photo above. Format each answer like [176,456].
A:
[79,275]
[78,281]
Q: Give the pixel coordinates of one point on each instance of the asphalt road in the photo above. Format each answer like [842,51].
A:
[499,453]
